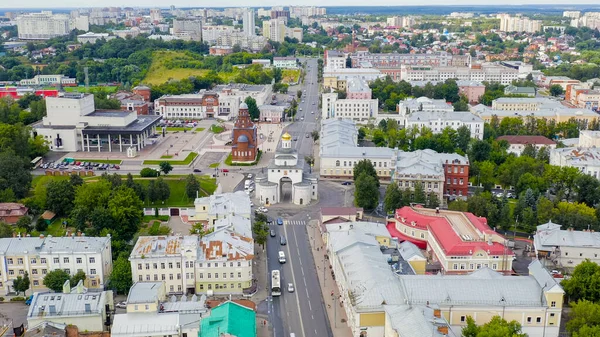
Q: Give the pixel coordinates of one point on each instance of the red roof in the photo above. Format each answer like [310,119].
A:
[447,237]
[527,140]
[391,227]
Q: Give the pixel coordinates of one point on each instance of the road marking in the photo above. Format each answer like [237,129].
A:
[315,332]
[306,292]
[310,307]
[302,269]
[294,279]
[311,315]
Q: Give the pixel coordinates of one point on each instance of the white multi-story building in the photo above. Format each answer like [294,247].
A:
[285,62]
[43,26]
[435,114]
[211,34]
[274,29]
[155,15]
[248,22]
[90,37]
[572,14]
[359,110]
[49,80]
[38,256]
[509,23]
[565,248]
[306,11]
[339,151]
[191,28]
[486,72]
[586,160]
[334,60]
[254,42]
[294,33]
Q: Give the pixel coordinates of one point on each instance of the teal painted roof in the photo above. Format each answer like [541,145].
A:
[230,318]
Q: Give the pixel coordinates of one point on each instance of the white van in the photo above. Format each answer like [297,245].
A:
[281,257]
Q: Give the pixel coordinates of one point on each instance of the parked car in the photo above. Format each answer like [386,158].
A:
[250,176]
[121,305]
[282,240]
[346,183]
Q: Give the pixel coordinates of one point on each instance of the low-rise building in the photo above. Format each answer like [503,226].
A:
[333,60]
[92,38]
[589,138]
[86,310]
[53,80]
[232,95]
[588,99]
[563,81]
[495,73]
[521,91]
[289,62]
[220,50]
[73,124]
[336,78]
[435,114]
[472,90]
[339,152]
[565,248]
[357,88]
[11,212]
[37,256]
[229,319]
[189,106]
[518,143]
[272,113]
[132,102]
[586,160]
[359,110]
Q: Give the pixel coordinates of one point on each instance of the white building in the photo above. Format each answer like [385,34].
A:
[46,80]
[435,114]
[339,151]
[90,37]
[253,42]
[586,160]
[188,106]
[518,143]
[188,27]
[486,72]
[359,110]
[86,310]
[155,15]
[43,26]
[565,248]
[286,168]
[211,34]
[209,210]
[38,256]
[285,62]
[274,29]
[72,124]
[233,94]
[334,60]
[248,22]
[509,23]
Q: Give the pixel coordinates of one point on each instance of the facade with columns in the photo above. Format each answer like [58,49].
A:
[73,124]
[286,168]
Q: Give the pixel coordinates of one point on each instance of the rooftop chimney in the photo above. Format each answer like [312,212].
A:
[443,329]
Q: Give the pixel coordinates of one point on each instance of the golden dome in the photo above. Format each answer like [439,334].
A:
[286,136]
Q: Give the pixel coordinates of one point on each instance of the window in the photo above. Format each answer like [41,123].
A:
[33,261]
[42,260]
[139,266]
[171,288]
[162,265]
[147,307]
[20,260]
[231,275]
[463,318]
[92,260]
[239,264]
[178,276]
[155,265]
[170,276]
[337,163]
[553,304]
[163,277]
[147,277]
[65,259]
[208,275]
[68,271]
[178,265]
[44,271]
[224,275]
[538,319]
[170,265]
[78,260]
[36,283]
[529,319]
[147,266]
[56,260]
[11,272]
[239,285]
[155,277]
[92,271]
[239,274]
[140,278]
[551,315]
[34,271]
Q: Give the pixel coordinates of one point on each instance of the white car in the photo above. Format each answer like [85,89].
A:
[121,305]
[250,176]
[263,209]
[312,112]
[247,192]
[290,288]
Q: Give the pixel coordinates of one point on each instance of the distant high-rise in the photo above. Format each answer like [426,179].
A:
[155,15]
[274,29]
[248,21]
[45,25]
[191,28]
[510,23]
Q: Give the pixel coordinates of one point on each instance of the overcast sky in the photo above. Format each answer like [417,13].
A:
[268,3]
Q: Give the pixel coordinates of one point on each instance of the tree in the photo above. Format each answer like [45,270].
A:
[21,284]
[315,135]
[14,173]
[366,193]
[55,280]
[393,198]
[192,186]
[252,107]
[163,191]
[79,276]
[367,167]
[556,90]
[59,197]
[583,281]
[135,186]
[165,167]
[125,207]
[463,138]
[496,327]
[148,172]
[584,315]
[75,180]
[120,277]
[587,189]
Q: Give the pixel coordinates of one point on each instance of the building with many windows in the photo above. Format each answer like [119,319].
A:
[333,60]
[359,110]
[191,28]
[274,29]
[248,22]
[289,62]
[509,23]
[188,106]
[54,80]
[481,72]
[39,255]
[565,248]
[43,26]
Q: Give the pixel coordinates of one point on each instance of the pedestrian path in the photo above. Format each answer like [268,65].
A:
[294,222]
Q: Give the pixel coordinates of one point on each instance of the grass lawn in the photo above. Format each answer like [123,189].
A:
[178,196]
[160,71]
[176,128]
[102,161]
[186,161]
[213,165]
[290,75]
[217,128]
[230,163]
[36,179]
[56,228]
[148,218]
[166,157]
[199,129]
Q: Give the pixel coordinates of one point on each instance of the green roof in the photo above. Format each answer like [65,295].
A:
[230,318]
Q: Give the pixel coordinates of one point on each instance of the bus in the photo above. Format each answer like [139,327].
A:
[275,283]
[37,162]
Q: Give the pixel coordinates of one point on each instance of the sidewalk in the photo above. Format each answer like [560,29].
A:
[335,312]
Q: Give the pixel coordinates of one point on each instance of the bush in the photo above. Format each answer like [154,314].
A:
[1,299]
[18,299]
[41,225]
[148,172]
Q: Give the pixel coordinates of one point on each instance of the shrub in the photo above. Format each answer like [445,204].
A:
[17,299]
[148,172]
[1,299]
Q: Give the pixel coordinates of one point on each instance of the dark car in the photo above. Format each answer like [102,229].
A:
[282,240]
[197,170]
[346,183]
[272,233]
[269,221]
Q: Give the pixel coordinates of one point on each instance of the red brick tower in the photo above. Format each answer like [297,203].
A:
[244,137]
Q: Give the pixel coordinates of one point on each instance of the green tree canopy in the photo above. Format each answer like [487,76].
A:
[583,282]
[496,327]
[120,277]
[367,167]
[252,107]
[55,280]
[192,186]
[366,192]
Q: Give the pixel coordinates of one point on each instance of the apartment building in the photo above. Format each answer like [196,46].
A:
[359,110]
[211,34]
[459,241]
[539,107]
[357,88]
[209,210]
[339,152]
[53,80]
[39,255]
[518,143]
[188,106]
[191,28]
[486,72]
[377,297]
[232,95]
[92,38]
[43,26]
[337,79]
[249,25]
[509,23]
[274,30]
[589,138]
[565,248]
[445,174]
[435,114]
[395,60]
[306,11]
[586,160]
[472,90]
[588,99]
[249,42]
[333,60]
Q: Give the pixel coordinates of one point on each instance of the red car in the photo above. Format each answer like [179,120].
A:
[224,170]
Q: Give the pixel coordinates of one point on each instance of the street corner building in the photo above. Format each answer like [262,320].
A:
[285,168]
[245,137]
[73,124]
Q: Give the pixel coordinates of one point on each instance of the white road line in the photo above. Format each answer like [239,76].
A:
[310,307]
[302,269]
[311,315]
[306,292]
[294,280]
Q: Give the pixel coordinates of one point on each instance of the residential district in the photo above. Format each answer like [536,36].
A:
[300,171]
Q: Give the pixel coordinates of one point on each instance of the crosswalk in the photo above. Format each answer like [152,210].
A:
[294,222]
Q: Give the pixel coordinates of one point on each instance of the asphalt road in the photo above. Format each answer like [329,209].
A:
[301,312]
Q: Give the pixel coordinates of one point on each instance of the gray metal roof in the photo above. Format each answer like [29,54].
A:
[73,304]
[424,116]
[140,124]
[226,203]
[145,324]
[549,236]
[415,321]
[46,245]
[144,292]
[409,250]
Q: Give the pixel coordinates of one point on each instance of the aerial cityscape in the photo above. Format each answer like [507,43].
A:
[308,170]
